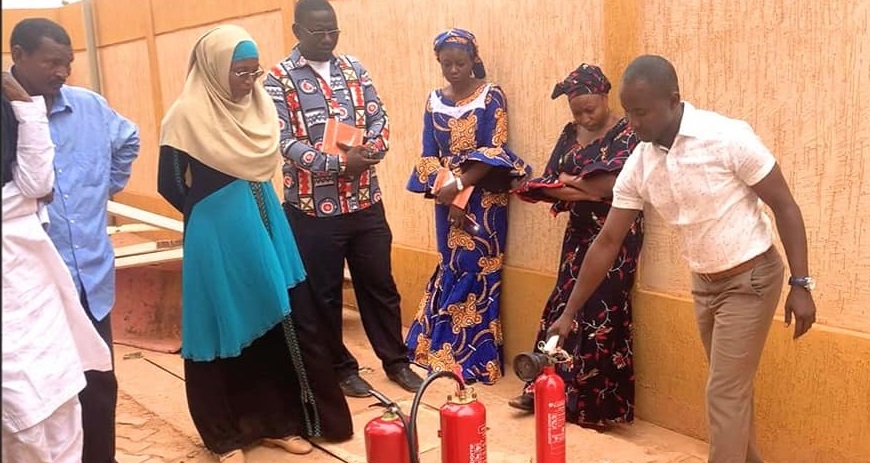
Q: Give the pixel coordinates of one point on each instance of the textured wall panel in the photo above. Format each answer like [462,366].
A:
[131,95]
[799,72]
[527,47]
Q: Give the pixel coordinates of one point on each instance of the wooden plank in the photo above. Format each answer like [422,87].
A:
[146,217]
[153,258]
[131,228]
[145,248]
[135,249]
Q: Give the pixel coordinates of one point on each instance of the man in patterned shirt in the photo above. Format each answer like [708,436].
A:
[332,199]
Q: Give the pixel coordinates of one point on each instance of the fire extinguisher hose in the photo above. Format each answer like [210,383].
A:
[412,445]
[418,397]
[394,408]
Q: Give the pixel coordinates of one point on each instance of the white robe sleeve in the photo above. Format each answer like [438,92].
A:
[34,169]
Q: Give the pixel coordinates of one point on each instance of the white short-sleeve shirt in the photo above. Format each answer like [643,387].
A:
[702,186]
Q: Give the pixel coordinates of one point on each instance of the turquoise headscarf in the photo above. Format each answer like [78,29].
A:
[246,49]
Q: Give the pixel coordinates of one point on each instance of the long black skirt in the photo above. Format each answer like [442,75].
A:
[282,385]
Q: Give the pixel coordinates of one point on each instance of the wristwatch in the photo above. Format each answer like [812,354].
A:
[806,283]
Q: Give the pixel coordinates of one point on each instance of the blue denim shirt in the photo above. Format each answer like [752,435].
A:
[94,150]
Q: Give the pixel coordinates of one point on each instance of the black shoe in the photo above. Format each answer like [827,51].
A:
[354,386]
[406,378]
[524,402]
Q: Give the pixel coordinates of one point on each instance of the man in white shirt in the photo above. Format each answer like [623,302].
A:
[707,175]
[48,341]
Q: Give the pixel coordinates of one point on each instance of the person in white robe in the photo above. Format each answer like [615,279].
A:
[48,342]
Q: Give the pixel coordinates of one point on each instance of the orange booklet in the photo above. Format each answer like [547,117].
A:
[445,177]
[461,199]
[336,133]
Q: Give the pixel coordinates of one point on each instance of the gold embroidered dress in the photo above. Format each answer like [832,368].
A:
[458,318]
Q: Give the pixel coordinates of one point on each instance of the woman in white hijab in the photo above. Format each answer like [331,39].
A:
[254,370]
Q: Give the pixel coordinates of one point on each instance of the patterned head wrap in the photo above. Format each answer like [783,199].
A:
[465,40]
[585,80]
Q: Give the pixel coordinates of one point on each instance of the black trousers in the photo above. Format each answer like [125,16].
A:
[99,399]
[364,240]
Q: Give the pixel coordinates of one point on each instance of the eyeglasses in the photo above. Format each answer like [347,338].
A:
[245,74]
[322,34]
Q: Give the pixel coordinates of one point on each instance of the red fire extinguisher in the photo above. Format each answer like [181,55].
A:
[549,416]
[463,429]
[549,391]
[387,436]
[463,422]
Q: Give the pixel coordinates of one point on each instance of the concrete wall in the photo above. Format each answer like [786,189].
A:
[797,70]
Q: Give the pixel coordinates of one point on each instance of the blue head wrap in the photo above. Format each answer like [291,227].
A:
[246,49]
[462,39]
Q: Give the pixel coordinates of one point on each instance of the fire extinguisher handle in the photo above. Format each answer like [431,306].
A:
[383,401]
[551,344]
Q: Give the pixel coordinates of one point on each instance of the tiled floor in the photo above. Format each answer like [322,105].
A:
[154,425]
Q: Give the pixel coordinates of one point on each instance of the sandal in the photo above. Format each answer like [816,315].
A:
[236,456]
[291,444]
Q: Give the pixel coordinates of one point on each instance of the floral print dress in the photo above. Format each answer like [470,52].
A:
[599,380]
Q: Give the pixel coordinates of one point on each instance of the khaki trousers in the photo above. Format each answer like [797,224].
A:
[734,315]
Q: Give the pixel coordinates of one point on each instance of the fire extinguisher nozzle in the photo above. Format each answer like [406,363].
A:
[382,399]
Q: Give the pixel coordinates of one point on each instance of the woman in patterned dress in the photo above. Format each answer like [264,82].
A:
[255,369]
[464,131]
[579,180]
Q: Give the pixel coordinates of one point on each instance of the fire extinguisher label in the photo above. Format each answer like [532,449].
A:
[477,453]
[477,450]
[556,423]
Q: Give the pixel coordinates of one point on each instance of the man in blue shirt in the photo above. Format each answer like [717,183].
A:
[95,149]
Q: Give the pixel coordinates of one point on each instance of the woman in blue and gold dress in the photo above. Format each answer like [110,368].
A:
[465,130]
